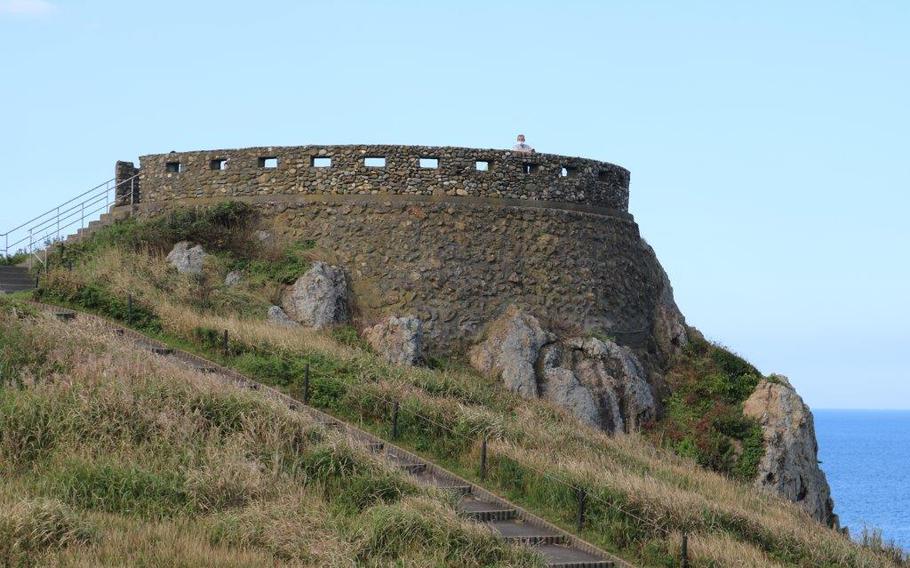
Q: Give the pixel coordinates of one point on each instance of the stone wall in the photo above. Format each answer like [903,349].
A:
[458,262]
[127,184]
[402,170]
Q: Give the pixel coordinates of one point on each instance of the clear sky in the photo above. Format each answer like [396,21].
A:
[768,141]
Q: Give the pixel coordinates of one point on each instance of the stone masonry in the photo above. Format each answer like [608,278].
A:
[403,170]
[450,244]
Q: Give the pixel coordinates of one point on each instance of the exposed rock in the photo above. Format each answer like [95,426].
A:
[233,278]
[600,382]
[263,236]
[562,388]
[609,374]
[277,316]
[510,351]
[185,259]
[790,464]
[397,339]
[669,324]
[319,298]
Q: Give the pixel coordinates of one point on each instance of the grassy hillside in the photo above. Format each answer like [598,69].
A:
[110,457]
[641,497]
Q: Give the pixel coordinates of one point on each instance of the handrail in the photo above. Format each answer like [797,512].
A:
[53,224]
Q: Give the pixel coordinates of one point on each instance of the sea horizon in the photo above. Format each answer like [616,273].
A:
[864,453]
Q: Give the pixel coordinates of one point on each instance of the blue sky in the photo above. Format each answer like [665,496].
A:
[768,141]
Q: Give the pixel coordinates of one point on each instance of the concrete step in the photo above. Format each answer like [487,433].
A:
[443,482]
[516,530]
[15,279]
[561,556]
[484,511]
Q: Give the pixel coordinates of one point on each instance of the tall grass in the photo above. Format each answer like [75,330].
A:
[121,458]
[643,497]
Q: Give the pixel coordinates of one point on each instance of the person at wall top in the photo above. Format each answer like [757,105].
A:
[521,146]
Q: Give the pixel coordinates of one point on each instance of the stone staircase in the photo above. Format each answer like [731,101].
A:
[15,279]
[106,219]
[512,523]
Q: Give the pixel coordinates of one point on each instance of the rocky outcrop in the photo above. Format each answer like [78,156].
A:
[510,351]
[790,464]
[186,259]
[397,340]
[669,330]
[319,298]
[233,278]
[610,374]
[599,381]
[276,316]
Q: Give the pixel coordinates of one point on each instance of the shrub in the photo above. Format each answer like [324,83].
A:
[13,259]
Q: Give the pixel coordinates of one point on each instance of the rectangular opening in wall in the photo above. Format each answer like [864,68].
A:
[530,168]
[218,164]
[483,165]
[567,171]
[604,175]
[321,162]
[429,163]
[173,167]
[374,162]
[268,162]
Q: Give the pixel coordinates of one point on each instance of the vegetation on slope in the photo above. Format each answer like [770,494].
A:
[703,414]
[111,457]
[640,497]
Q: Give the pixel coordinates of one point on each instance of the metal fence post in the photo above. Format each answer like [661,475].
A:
[225,343]
[684,552]
[581,495]
[306,384]
[483,458]
[129,309]
[395,421]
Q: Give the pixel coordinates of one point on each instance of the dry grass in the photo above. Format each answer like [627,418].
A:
[118,457]
[732,524]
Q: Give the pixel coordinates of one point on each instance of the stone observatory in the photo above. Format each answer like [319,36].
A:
[529,265]
[453,236]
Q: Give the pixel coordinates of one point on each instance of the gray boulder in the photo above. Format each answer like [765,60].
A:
[233,278]
[277,316]
[186,259]
[510,351]
[562,387]
[600,382]
[790,464]
[319,298]
[610,374]
[397,339]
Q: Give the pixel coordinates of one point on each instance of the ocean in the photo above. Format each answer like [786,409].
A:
[866,456]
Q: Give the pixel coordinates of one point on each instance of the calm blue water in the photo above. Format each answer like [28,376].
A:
[866,456]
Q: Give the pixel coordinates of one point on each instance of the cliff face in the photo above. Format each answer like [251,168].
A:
[790,464]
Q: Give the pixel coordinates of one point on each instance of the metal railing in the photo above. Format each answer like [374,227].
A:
[54,225]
